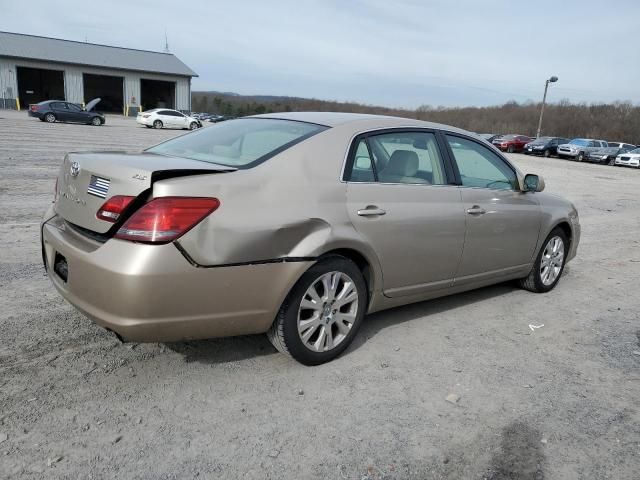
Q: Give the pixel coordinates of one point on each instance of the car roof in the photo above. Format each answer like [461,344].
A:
[359,121]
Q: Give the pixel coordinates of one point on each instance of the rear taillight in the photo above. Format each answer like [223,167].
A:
[111,210]
[146,116]
[34,108]
[167,218]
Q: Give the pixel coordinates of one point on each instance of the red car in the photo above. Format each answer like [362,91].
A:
[512,143]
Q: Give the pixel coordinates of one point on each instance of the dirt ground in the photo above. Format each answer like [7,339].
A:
[558,402]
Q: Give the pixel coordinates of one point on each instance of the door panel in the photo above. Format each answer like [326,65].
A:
[502,238]
[417,232]
[61,111]
[76,114]
[503,223]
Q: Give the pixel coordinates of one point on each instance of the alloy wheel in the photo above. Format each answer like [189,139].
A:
[552,261]
[327,311]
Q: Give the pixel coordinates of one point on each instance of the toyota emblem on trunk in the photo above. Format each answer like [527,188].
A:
[75,169]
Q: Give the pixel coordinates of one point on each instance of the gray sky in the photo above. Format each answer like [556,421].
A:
[398,53]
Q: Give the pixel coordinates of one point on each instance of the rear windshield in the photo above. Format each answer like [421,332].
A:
[241,143]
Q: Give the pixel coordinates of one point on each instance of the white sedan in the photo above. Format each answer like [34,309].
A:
[167,118]
[629,159]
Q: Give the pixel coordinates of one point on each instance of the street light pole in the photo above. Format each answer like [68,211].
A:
[544,99]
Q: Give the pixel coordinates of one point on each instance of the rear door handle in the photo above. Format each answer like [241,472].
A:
[371,212]
[476,210]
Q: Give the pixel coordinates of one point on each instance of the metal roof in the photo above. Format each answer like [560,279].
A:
[357,120]
[19,45]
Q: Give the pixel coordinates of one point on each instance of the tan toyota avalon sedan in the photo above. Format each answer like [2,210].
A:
[296,225]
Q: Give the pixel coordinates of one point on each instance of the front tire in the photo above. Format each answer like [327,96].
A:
[549,264]
[580,157]
[547,154]
[322,313]
[193,126]
[157,124]
[96,122]
[511,149]
[50,118]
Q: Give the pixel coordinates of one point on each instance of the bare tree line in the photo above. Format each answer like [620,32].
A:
[618,121]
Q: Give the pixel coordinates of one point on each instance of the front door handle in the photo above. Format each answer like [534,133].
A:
[371,211]
[476,210]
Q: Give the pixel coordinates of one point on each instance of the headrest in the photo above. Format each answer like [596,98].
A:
[403,163]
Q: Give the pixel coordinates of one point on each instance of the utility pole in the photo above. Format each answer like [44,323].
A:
[544,100]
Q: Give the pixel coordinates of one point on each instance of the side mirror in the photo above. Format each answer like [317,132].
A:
[363,162]
[533,183]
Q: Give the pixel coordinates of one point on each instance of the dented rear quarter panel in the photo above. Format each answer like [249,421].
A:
[292,206]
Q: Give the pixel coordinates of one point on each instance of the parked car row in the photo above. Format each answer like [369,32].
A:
[52,111]
[578,149]
[594,150]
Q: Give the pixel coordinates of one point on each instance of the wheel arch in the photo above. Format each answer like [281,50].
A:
[364,265]
[565,226]
[561,223]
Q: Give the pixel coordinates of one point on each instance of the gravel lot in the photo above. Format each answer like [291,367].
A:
[558,402]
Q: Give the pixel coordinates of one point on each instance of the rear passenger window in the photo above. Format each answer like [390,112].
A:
[398,157]
[480,167]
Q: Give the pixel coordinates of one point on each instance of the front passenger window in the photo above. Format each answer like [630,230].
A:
[480,167]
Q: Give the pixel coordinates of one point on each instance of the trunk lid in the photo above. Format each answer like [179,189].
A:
[87,180]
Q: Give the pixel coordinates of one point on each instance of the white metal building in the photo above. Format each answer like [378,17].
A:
[33,69]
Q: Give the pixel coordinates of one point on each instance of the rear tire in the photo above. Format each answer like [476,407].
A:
[50,118]
[549,264]
[328,319]
[157,124]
